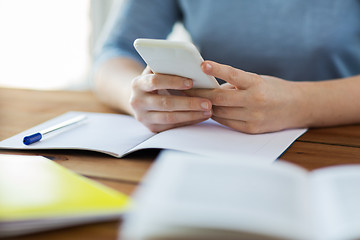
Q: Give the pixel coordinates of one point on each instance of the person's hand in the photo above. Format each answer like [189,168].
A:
[249,102]
[158,110]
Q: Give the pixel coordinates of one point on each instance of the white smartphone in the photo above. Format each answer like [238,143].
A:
[175,58]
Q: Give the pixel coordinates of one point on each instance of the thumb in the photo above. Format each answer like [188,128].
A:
[234,76]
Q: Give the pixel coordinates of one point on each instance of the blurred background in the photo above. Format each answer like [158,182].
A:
[49,44]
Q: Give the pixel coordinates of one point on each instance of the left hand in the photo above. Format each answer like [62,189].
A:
[249,102]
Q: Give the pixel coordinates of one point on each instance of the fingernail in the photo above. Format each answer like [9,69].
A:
[187,83]
[207,113]
[208,67]
[205,105]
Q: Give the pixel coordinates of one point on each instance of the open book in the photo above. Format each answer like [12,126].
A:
[37,194]
[192,197]
[119,135]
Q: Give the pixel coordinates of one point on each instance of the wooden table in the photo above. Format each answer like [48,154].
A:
[22,109]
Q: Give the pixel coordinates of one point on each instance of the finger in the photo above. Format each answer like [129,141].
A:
[236,77]
[232,113]
[175,103]
[152,82]
[241,126]
[175,117]
[163,127]
[221,97]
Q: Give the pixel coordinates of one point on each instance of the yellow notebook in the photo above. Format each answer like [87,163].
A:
[38,194]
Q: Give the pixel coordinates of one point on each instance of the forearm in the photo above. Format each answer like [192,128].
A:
[113,82]
[330,103]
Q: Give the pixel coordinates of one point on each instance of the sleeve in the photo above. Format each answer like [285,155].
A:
[136,19]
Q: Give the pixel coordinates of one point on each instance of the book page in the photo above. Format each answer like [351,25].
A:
[212,139]
[336,194]
[113,134]
[184,191]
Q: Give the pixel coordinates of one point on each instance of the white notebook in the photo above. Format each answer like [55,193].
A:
[118,135]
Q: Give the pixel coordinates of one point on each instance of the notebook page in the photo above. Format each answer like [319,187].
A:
[212,139]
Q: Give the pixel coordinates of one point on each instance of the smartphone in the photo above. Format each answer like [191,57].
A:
[175,58]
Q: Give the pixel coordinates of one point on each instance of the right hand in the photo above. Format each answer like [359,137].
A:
[158,110]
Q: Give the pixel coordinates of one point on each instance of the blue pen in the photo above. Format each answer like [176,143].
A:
[39,135]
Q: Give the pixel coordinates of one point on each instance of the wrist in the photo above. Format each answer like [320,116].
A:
[302,104]
[113,83]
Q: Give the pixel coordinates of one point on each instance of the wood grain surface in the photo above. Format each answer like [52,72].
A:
[22,109]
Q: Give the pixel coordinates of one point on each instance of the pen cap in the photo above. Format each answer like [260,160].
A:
[32,138]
